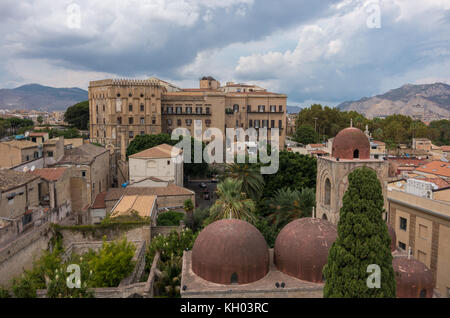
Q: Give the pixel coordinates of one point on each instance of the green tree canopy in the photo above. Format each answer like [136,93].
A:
[362,240]
[306,134]
[78,115]
[295,170]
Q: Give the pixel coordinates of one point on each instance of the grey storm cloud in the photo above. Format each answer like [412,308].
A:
[158,45]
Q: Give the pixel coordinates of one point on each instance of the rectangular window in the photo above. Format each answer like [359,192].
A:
[188,110]
[179,110]
[249,108]
[208,122]
[83,173]
[207,110]
[261,108]
[153,120]
[273,108]
[36,155]
[170,110]
[250,123]
[130,120]
[280,124]
[142,120]
[50,154]
[142,132]
[130,107]
[403,224]
[131,134]
[402,245]
[280,108]
[179,122]
[257,123]
[272,123]
[236,108]
[198,110]
[119,120]
[169,122]
[142,107]
[188,122]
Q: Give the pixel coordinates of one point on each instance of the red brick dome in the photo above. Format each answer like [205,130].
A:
[393,237]
[301,248]
[414,279]
[351,143]
[230,251]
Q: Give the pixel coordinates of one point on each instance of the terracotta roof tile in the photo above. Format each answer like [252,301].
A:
[21,144]
[160,151]
[49,174]
[445,148]
[10,179]
[439,168]
[99,202]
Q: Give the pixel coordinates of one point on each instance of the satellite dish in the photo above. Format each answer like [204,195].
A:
[27,134]
[32,168]
[25,169]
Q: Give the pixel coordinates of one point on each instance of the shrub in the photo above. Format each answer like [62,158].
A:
[170,218]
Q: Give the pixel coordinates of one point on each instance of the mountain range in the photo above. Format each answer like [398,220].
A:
[39,97]
[426,101]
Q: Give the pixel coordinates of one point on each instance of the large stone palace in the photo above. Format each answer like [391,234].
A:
[122,109]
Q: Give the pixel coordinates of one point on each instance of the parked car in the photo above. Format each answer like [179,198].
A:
[202,185]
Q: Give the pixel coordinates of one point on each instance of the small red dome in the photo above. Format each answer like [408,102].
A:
[230,251]
[301,248]
[393,237]
[414,279]
[351,143]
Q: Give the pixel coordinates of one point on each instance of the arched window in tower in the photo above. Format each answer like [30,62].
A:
[234,278]
[324,217]
[356,154]
[327,198]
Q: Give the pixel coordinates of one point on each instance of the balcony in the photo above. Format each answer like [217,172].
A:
[187,114]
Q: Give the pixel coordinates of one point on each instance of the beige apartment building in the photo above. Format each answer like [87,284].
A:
[16,152]
[424,225]
[127,108]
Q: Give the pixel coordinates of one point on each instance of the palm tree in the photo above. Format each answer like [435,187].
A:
[250,177]
[189,208]
[232,202]
[288,204]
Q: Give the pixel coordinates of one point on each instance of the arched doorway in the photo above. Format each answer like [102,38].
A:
[324,217]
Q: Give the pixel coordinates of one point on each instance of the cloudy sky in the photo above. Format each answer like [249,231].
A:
[314,51]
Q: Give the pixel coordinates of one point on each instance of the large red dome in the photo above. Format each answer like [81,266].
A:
[230,251]
[301,248]
[351,143]
[414,279]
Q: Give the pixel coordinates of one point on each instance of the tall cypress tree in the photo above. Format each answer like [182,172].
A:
[363,239]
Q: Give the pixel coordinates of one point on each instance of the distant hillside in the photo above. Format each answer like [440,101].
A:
[35,96]
[293,109]
[428,101]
